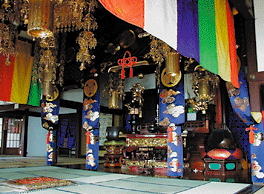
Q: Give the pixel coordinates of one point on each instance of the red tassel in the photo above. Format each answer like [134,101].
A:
[131,71]
[251,133]
[48,137]
[88,139]
[170,134]
[251,137]
[123,73]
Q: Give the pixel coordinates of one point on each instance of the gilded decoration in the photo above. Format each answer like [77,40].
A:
[44,20]
[204,84]
[115,89]
[90,87]
[150,142]
[146,163]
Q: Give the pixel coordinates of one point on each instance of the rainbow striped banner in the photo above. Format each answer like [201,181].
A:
[15,77]
[202,29]
[217,39]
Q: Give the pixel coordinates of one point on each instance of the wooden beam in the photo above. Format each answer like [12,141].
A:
[256,77]
[8,107]
[14,107]
[70,104]
[254,92]
[245,7]
[104,109]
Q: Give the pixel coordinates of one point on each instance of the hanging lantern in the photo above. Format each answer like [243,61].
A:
[204,84]
[40,23]
[171,75]
[113,100]
[47,82]
[204,89]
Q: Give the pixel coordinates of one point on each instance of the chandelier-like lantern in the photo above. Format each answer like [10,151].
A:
[204,83]
[40,21]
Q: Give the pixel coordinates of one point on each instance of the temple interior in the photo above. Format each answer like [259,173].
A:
[111,97]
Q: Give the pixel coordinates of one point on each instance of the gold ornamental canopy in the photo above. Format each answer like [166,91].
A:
[40,19]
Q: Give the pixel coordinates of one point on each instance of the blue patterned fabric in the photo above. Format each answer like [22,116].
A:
[171,115]
[257,156]
[71,135]
[237,127]
[67,129]
[171,105]
[50,113]
[175,153]
[239,99]
[51,148]
[91,108]
[127,125]
[62,132]
[50,120]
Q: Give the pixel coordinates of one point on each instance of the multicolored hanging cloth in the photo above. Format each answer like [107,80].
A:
[15,76]
[202,29]
[34,96]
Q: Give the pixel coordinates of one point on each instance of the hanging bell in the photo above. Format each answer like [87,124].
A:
[171,75]
[113,100]
[47,81]
[203,89]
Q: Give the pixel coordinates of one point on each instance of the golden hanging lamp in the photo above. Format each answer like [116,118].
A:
[40,21]
[113,100]
[204,89]
[171,75]
[49,90]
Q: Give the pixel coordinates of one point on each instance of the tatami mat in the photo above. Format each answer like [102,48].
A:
[99,183]
[260,191]
[166,181]
[217,188]
[102,178]
[143,187]
[13,162]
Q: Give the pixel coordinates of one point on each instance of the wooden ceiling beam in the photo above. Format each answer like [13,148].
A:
[14,107]
[245,7]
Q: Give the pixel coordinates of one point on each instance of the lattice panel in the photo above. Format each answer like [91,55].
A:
[237,126]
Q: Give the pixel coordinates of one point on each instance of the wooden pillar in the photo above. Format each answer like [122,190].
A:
[4,135]
[24,135]
[254,84]
[78,132]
